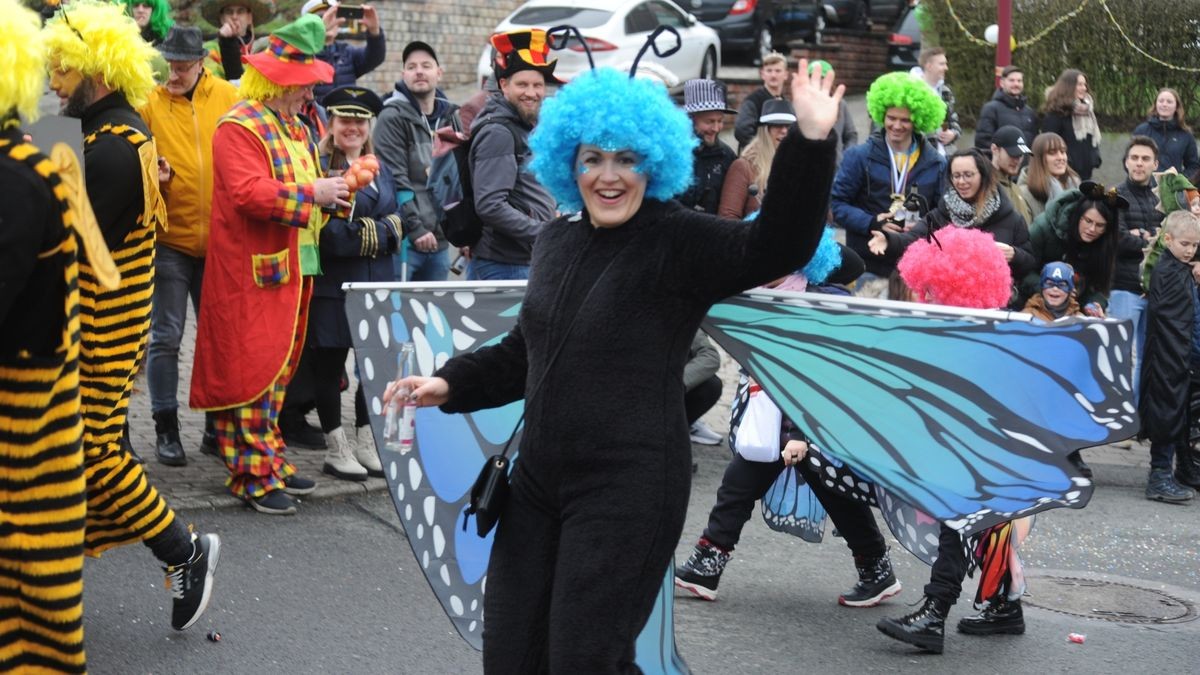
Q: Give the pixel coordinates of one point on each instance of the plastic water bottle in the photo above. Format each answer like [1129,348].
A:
[399,427]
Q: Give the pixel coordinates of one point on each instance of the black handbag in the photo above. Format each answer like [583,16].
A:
[489,494]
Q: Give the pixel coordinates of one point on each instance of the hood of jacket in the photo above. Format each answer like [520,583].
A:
[497,106]
[1014,102]
[1059,210]
[441,105]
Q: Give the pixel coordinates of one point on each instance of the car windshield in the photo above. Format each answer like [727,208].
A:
[909,26]
[550,16]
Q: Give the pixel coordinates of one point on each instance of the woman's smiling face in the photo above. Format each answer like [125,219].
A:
[611,187]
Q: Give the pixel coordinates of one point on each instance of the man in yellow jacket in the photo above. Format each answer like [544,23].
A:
[182,114]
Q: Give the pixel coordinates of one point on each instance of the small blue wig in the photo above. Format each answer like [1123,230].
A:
[606,108]
[825,260]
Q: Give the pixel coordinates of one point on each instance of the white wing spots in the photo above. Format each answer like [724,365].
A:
[474,604]
[439,541]
[1102,331]
[399,487]
[1114,425]
[462,340]
[1087,405]
[376,405]
[1128,406]
[369,301]
[381,294]
[1125,383]
[1124,333]
[423,350]
[464,299]
[384,333]
[392,469]
[444,573]
[418,311]
[440,360]
[1105,367]
[425,560]
[1028,440]
[408,511]
[369,369]
[436,320]
[420,531]
[414,473]
[1073,495]
[456,605]
[471,626]
[364,330]
[471,325]
[429,504]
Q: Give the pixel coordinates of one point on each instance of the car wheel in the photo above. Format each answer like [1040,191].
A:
[708,67]
[766,43]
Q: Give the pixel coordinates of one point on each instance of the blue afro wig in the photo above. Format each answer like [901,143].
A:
[825,260]
[606,108]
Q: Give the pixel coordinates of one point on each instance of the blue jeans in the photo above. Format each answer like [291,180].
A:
[482,269]
[425,266]
[1162,455]
[1131,306]
[176,276]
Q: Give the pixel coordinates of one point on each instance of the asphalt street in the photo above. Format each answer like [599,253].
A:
[336,590]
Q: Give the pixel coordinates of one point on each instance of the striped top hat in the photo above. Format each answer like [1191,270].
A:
[704,96]
[522,50]
[290,59]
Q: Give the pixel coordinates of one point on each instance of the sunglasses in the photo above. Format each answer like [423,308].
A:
[1060,284]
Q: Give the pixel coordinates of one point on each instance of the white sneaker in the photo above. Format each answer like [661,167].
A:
[365,451]
[339,458]
[702,434]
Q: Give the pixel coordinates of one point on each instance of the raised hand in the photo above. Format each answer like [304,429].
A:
[815,101]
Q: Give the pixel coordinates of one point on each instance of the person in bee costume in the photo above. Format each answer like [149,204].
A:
[100,68]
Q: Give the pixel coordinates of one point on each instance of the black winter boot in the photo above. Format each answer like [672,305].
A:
[876,582]
[1000,616]
[1187,466]
[924,628]
[167,447]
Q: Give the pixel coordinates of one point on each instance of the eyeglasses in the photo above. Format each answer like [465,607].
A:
[182,67]
[966,175]
[1060,284]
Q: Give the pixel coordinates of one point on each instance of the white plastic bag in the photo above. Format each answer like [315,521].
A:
[758,434]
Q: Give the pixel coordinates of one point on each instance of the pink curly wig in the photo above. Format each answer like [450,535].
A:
[967,270]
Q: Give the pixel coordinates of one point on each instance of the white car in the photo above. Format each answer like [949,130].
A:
[615,30]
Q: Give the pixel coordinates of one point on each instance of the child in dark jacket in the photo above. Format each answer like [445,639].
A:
[1170,317]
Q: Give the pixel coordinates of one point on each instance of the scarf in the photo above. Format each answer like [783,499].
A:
[1083,120]
[963,214]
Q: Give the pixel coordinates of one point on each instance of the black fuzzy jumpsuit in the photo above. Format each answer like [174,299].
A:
[600,490]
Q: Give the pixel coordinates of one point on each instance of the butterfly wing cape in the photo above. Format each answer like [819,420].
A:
[967,416]
[430,482]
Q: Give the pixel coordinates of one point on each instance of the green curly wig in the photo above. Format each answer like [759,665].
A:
[901,90]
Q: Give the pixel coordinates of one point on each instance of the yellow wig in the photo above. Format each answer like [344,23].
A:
[22,60]
[255,86]
[99,38]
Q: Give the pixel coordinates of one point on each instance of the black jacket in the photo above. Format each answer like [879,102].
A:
[1141,215]
[1001,110]
[1170,311]
[748,113]
[113,168]
[1083,156]
[711,162]
[1176,147]
[1005,225]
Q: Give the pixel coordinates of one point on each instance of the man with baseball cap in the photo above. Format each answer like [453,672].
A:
[704,102]
[262,254]
[403,141]
[1009,151]
[182,113]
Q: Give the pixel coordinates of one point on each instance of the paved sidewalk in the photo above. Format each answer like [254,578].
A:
[201,484]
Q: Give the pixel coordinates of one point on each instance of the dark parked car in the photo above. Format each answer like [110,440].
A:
[758,27]
[904,44]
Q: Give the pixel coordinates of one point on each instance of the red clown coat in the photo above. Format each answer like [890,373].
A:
[253,289]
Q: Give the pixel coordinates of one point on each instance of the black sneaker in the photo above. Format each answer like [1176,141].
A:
[191,583]
[1003,616]
[924,628]
[876,582]
[298,485]
[275,503]
[1161,487]
[702,571]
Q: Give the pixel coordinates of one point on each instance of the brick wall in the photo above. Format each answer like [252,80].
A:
[859,57]
[457,29]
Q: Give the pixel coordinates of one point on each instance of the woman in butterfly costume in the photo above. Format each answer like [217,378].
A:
[617,291]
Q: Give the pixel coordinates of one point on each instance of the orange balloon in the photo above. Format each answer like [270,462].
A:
[351,181]
[364,177]
[369,162]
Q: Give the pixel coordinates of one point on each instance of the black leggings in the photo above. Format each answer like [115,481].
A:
[700,398]
[746,482]
[328,364]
